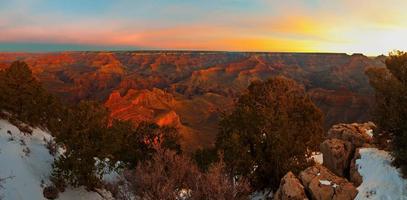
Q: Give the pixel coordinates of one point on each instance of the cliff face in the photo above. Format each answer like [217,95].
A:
[188,89]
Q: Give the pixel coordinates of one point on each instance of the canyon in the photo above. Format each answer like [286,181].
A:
[190,89]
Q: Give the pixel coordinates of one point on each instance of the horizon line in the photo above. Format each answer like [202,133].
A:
[190,51]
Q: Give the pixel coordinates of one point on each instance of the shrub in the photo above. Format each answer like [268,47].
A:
[131,145]
[50,192]
[81,133]
[204,158]
[272,130]
[390,111]
[172,176]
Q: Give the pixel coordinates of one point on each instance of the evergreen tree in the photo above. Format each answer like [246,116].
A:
[92,144]
[23,96]
[81,134]
[390,112]
[132,145]
[273,129]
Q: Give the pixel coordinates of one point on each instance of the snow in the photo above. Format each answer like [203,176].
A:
[262,195]
[325,182]
[26,160]
[369,132]
[317,157]
[381,180]
[184,194]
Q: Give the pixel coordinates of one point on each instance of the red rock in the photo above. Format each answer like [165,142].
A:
[200,83]
[322,184]
[354,174]
[290,189]
[336,155]
[358,135]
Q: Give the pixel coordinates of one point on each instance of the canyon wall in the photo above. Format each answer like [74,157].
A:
[189,90]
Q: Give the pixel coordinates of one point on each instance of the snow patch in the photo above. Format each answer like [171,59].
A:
[369,132]
[325,182]
[318,157]
[262,195]
[28,163]
[381,181]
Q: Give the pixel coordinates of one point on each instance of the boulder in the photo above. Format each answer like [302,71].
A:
[354,175]
[290,189]
[322,184]
[359,135]
[337,155]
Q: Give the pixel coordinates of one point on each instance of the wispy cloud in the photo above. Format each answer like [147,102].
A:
[368,26]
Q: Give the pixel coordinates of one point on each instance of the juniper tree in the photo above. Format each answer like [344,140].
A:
[273,129]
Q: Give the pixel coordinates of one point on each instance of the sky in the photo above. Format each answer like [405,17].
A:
[372,27]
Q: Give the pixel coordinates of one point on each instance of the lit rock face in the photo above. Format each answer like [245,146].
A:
[322,184]
[290,189]
[358,135]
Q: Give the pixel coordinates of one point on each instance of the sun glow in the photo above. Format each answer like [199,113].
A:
[371,27]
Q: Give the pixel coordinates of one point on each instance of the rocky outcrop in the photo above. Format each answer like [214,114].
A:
[336,155]
[322,184]
[354,174]
[290,189]
[359,135]
[169,119]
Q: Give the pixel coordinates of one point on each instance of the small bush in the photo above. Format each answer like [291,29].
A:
[50,192]
[204,158]
[172,176]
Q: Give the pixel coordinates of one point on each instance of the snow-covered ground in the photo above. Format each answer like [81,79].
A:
[381,181]
[26,163]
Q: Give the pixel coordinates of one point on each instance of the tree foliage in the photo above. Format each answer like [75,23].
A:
[92,144]
[390,112]
[81,133]
[273,129]
[24,97]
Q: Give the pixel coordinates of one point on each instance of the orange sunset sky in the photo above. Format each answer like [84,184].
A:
[371,27]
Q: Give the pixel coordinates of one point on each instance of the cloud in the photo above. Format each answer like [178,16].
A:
[263,25]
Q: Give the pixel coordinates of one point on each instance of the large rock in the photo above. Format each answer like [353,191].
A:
[360,135]
[354,174]
[322,184]
[290,188]
[336,155]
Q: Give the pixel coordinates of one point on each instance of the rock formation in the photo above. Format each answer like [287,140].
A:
[354,174]
[322,184]
[336,155]
[290,189]
[357,134]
